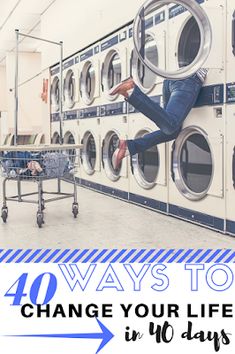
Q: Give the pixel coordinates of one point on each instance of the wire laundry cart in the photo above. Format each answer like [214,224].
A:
[27,163]
[31,163]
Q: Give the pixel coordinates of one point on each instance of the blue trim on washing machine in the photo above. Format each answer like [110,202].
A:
[194,216]
[89,53]
[149,23]
[89,112]
[70,115]
[230,227]
[104,189]
[76,59]
[113,109]
[123,36]
[210,95]
[179,9]
[158,18]
[148,202]
[55,117]
[55,71]
[109,43]
[174,210]
[230,92]
[68,64]
[131,109]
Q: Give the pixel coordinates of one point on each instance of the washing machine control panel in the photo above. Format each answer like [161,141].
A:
[230,92]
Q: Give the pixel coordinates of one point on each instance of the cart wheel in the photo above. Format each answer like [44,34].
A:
[4,214]
[40,220]
[75,210]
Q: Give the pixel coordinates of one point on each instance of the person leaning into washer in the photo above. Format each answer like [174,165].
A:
[179,96]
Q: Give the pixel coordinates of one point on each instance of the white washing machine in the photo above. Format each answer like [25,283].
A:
[196,186]
[113,112]
[147,172]
[89,79]
[230,123]
[55,93]
[70,88]
[90,155]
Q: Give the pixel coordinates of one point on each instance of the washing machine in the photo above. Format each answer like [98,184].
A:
[147,171]
[39,139]
[55,93]
[230,124]
[113,111]
[71,87]
[197,175]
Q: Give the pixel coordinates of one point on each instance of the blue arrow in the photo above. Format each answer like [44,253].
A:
[105,335]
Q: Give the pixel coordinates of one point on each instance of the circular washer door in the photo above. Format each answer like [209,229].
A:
[69,139]
[144,76]
[89,153]
[111,72]
[193,163]
[189,43]
[87,83]
[55,138]
[146,165]
[110,144]
[55,94]
[69,89]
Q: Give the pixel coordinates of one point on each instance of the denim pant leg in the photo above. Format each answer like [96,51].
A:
[183,96]
[147,141]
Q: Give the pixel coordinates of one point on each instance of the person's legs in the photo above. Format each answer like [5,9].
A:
[183,96]
[148,140]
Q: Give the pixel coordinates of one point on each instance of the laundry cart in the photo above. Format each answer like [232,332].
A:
[37,164]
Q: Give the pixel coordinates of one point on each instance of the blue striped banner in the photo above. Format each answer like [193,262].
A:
[117,256]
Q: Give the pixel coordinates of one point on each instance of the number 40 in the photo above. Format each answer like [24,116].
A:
[20,283]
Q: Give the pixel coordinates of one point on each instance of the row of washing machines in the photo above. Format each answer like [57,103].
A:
[192,178]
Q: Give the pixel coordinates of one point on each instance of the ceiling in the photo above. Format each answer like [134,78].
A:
[24,15]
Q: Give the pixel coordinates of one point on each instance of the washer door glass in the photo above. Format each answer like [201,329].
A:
[110,144]
[196,164]
[114,70]
[88,83]
[145,77]
[89,153]
[69,89]
[55,94]
[189,43]
[146,165]
[55,139]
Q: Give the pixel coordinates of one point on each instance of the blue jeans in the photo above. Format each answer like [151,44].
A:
[179,96]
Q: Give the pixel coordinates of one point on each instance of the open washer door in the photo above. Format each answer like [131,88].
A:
[150,10]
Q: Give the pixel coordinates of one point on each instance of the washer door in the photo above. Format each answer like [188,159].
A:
[110,144]
[111,72]
[69,89]
[174,9]
[69,139]
[89,153]
[55,94]
[146,165]
[55,138]
[193,163]
[88,82]
[144,77]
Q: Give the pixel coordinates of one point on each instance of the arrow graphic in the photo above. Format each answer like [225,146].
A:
[105,335]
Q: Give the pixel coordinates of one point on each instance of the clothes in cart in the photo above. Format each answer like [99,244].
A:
[26,164]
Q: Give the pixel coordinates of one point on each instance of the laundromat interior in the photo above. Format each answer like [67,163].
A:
[58,61]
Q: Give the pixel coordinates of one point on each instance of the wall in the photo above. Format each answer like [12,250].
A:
[79,23]
[29,114]
[3,89]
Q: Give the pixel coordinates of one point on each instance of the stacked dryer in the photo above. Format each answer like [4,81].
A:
[113,111]
[148,170]
[89,116]
[196,186]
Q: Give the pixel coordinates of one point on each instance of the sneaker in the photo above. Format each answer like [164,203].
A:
[122,87]
[119,154]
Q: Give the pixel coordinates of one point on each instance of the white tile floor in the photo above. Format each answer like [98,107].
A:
[103,222]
